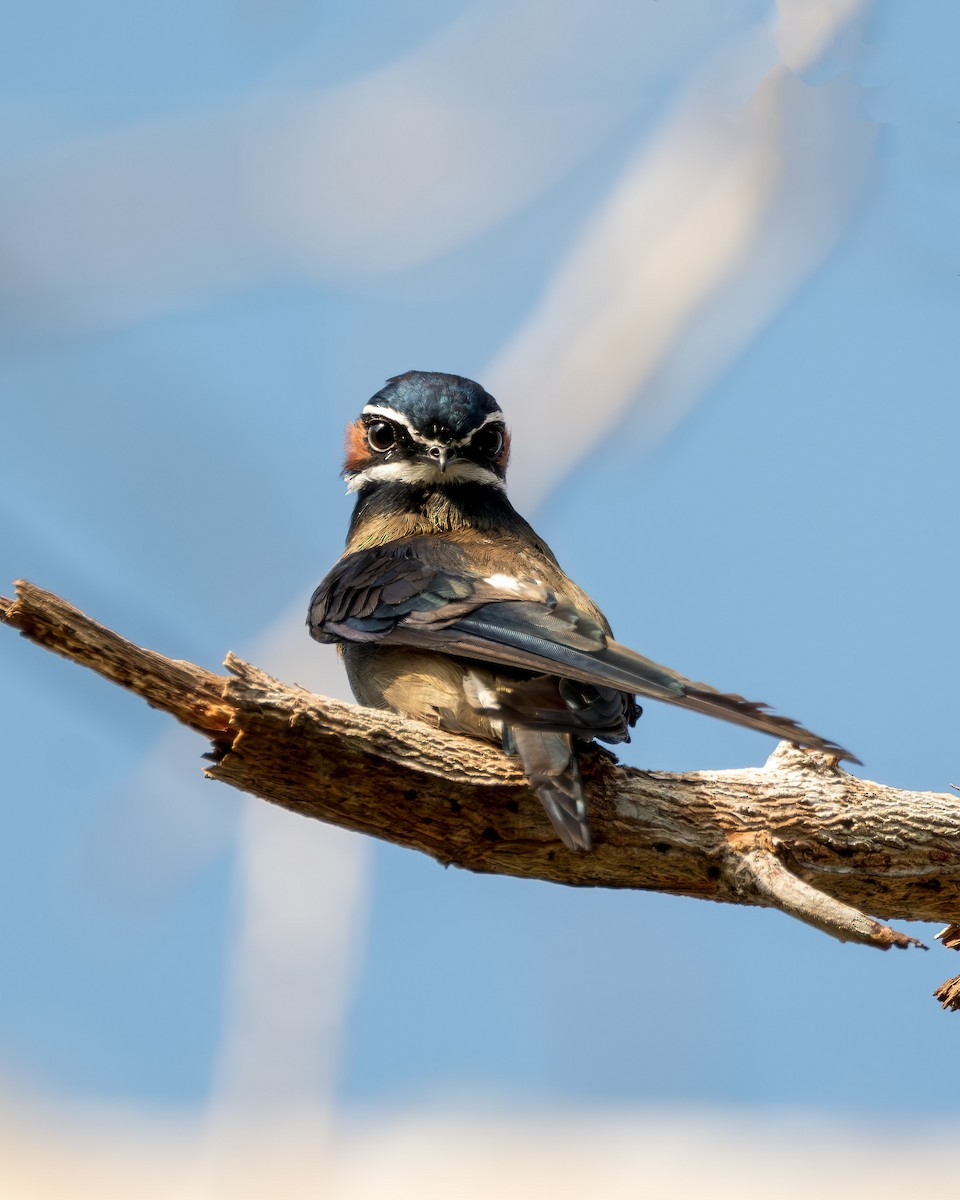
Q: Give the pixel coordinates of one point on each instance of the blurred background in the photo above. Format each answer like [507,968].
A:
[706,255]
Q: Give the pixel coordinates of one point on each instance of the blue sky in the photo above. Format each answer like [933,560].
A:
[172,433]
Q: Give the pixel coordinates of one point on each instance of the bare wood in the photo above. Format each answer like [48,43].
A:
[187,692]
[799,833]
[949,994]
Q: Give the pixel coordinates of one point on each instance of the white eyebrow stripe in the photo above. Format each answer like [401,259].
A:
[417,474]
[489,419]
[391,414]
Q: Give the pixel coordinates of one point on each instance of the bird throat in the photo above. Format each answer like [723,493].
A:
[389,511]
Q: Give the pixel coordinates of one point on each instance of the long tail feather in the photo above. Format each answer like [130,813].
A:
[550,763]
[619,667]
[634,670]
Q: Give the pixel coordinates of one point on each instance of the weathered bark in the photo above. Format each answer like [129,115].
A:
[799,834]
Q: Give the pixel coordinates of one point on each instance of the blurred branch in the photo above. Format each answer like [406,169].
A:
[799,834]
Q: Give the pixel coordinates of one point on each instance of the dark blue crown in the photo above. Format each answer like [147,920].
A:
[432,401]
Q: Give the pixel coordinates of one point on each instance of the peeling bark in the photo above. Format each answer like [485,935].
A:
[799,833]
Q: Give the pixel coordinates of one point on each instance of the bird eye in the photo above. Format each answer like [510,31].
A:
[381,435]
[489,441]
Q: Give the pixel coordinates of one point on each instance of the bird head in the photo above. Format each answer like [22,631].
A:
[428,429]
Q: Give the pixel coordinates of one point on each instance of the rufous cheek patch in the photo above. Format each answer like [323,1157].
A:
[504,456]
[357,447]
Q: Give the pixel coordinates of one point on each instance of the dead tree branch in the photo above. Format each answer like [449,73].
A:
[799,833]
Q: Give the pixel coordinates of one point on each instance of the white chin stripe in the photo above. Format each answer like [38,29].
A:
[419,474]
[391,414]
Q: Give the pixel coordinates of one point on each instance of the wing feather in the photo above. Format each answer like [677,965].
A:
[402,595]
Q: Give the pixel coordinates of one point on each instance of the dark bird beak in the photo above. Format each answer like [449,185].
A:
[441,456]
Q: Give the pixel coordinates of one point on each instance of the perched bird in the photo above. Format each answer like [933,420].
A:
[448,607]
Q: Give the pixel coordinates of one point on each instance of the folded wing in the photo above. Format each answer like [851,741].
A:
[408,593]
